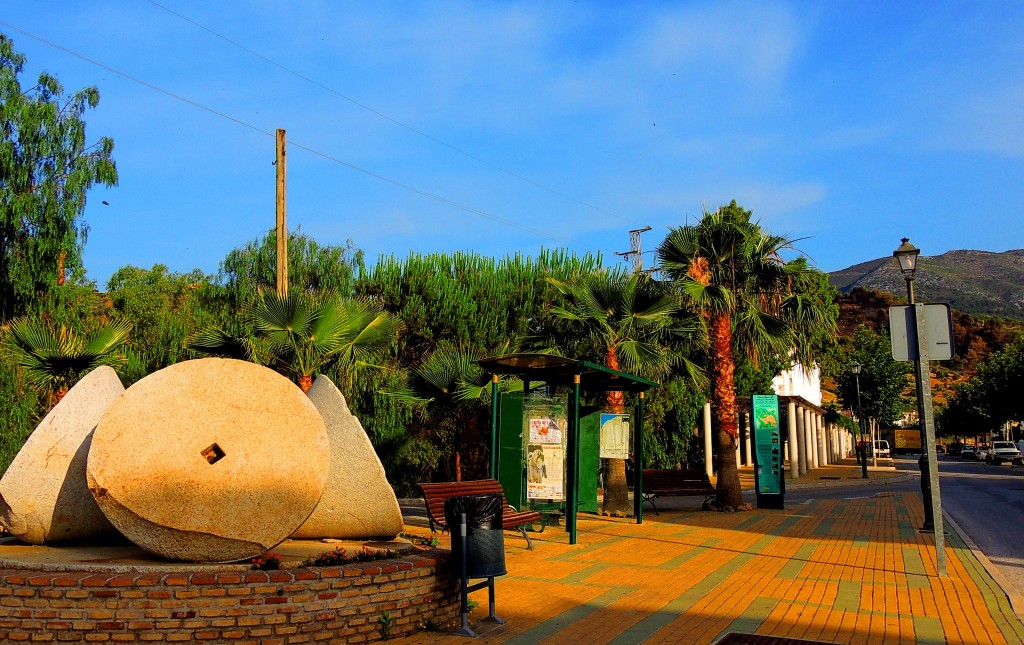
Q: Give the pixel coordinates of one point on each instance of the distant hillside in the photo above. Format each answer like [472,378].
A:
[976,282]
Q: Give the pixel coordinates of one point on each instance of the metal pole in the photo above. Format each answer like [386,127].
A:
[924,404]
[860,425]
[923,461]
[573,461]
[638,462]
[494,426]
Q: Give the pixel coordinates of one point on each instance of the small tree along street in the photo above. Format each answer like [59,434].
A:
[882,379]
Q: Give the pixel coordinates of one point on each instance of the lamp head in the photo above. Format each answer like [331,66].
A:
[907,256]
[855,368]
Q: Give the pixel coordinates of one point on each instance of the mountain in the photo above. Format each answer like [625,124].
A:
[976,282]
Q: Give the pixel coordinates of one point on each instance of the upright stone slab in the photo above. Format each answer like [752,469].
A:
[210,460]
[358,502]
[44,496]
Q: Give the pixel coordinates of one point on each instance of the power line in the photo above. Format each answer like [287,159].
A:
[385,116]
[394,182]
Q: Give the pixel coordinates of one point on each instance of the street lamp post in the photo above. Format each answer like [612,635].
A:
[855,368]
[907,254]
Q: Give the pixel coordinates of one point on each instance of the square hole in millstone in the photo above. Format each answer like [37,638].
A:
[214,453]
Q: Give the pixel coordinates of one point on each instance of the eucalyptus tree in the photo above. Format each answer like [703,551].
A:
[732,272]
[46,168]
[630,321]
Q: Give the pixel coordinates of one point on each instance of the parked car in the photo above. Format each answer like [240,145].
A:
[967,452]
[940,449]
[954,448]
[981,451]
[882,449]
[1003,451]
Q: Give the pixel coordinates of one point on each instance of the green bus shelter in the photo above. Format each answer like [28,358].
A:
[577,376]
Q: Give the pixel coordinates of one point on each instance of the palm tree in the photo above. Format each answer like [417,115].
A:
[449,387]
[303,334]
[54,358]
[630,319]
[733,273]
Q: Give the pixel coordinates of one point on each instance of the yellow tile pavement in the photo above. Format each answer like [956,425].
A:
[844,571]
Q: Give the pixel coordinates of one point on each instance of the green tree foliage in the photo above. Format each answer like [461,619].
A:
[165,308]
[249,271]
[469,299]
[46,169]
[307,333]
[882,379]
[54,358]
[991,398]
[479,304]
[451,396]
[671,424]
[629,319]
[756,305]
[21,408]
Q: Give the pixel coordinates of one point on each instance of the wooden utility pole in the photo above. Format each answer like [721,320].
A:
[282,227]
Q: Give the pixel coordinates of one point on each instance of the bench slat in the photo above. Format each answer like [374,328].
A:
[435,494]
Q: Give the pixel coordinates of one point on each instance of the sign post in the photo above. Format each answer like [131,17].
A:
[769,480]
[928,328]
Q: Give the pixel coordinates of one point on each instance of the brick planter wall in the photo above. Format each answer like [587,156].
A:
[324,604]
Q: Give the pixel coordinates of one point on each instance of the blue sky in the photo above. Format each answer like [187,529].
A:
[553,124]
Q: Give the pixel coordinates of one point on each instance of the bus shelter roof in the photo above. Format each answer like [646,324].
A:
[559,370]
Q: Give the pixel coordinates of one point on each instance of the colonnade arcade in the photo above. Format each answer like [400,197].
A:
[810,443]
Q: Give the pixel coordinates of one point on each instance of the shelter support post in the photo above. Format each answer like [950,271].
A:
[494,426]
[638,462]
[572,495]
[709,465]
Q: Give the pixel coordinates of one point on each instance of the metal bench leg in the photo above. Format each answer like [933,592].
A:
[529,543]
[653,505]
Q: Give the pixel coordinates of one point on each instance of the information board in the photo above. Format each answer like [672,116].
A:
[768,444]
[545,438]
[614,436]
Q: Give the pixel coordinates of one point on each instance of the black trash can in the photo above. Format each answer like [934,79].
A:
[485,539]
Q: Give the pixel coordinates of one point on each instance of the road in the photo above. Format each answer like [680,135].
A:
[986,501]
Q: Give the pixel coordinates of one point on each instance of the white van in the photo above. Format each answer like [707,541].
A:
[882,449]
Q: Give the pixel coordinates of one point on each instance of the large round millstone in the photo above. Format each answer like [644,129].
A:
[44,496]
[210,460]
[358,503]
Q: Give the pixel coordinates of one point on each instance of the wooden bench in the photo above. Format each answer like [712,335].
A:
[672,482]
[435,493]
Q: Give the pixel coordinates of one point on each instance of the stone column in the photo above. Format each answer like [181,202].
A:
[813,422]
[819,423]
[708,464]
[801,433]
[739,437]
[747,421]
[812,445]
[794,454]
[833,437]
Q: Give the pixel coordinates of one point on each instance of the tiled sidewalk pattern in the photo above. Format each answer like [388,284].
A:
[845,571]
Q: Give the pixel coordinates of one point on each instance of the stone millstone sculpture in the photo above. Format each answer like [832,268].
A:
[44,496]
[209,460]
[358,502]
